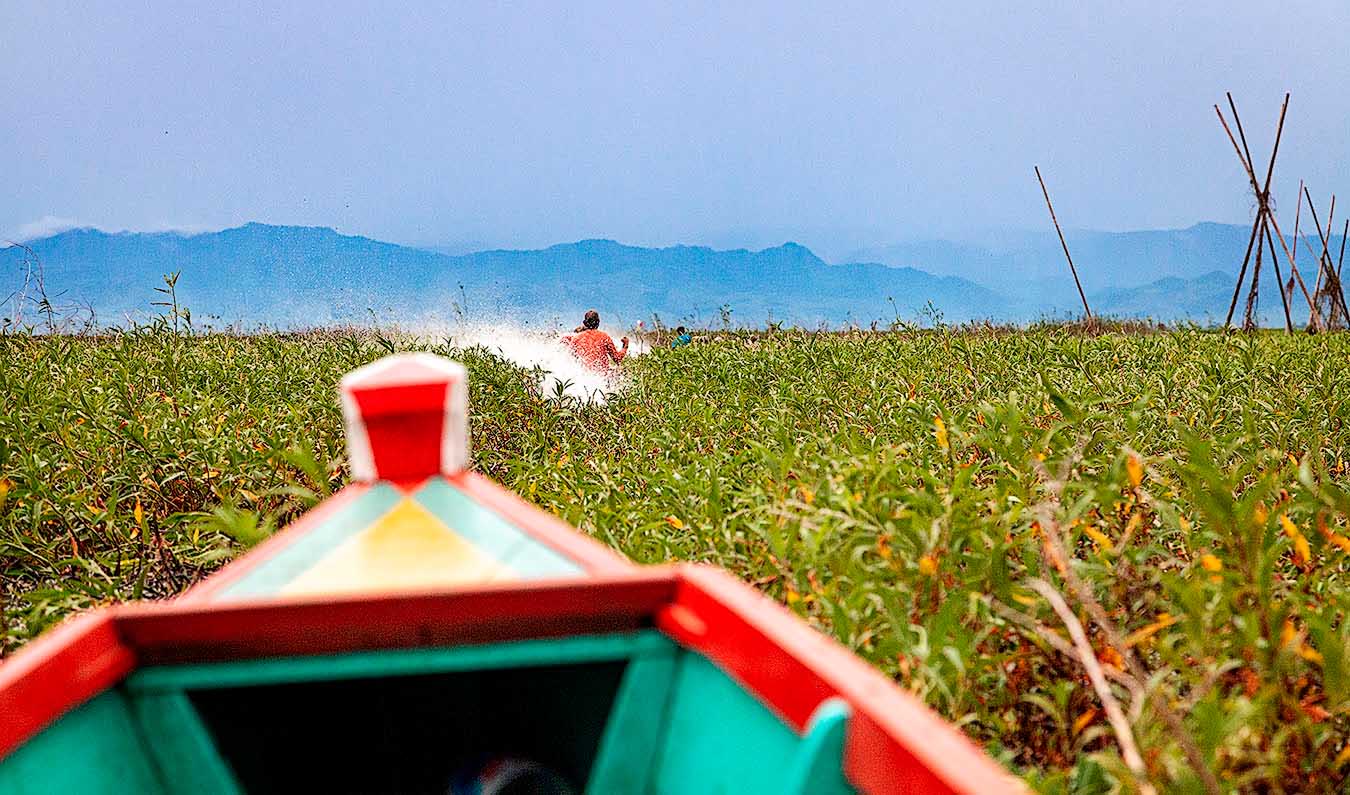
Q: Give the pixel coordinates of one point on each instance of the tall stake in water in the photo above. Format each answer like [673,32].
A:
[1065,245]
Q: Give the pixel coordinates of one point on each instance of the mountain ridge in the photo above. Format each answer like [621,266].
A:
[268,274]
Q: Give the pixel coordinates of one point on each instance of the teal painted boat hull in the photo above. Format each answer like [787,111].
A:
[622,713]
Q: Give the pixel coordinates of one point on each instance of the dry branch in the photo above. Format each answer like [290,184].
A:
[1129,750]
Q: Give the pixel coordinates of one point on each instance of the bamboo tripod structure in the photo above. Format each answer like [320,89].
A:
[1329,294]
[1266,229]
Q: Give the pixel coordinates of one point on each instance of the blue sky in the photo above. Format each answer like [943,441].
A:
[525,124]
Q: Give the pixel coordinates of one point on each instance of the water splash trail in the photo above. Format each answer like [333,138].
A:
[543,351]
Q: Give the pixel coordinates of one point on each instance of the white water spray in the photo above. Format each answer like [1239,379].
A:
[560,371]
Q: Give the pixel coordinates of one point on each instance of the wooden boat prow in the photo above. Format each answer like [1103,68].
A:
[424,617]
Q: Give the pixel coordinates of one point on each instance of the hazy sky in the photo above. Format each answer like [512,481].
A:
[728,122]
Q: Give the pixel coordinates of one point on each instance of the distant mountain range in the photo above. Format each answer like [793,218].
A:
[1104,259]
[290,276]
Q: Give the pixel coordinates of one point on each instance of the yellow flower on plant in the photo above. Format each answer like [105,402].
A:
[1099,537]
[1302,552]
[928,565]
[1164,621]
[1081,723]
[1211,563]
[1288,633]
[940,432]
[1331,535]
[1135,469]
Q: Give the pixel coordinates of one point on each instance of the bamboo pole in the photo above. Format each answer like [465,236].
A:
[1324,264]
[1242,272]
[1257,224]
[1344,235]
[1298,212]
[1249,315]
[1063,244]
[1279,283]
[1340,264]
[1115,716]
[1262,201]
[1274,223]
[1322,261]
[1264,196]
[1270,167]
[1334,284]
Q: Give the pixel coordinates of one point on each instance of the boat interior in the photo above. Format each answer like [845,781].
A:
[627,712]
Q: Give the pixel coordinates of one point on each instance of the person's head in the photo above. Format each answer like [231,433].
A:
[590,321]
[679,329]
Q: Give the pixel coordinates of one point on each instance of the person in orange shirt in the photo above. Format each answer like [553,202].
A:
[594,347]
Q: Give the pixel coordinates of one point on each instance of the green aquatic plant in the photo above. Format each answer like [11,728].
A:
[1117,560]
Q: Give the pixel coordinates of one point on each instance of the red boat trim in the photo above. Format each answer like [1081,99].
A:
[181,632]
[544,526]
[406,418]
[236,570]
[57,672]
[404,425]
[894,743]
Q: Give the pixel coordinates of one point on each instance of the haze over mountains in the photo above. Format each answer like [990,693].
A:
[289,276]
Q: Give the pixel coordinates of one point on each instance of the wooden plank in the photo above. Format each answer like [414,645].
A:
[481,527]
[489,531]
[209,588]
[405,549]
[307,544]
[535,561]
[547,528]
[402,662]
[167,633]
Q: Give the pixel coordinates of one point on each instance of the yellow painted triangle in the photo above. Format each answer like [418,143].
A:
[408,548]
